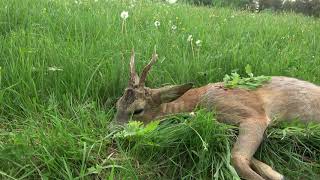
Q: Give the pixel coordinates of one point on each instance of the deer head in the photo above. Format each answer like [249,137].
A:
[143,103]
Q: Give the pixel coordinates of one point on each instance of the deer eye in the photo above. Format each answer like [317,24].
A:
[138,111]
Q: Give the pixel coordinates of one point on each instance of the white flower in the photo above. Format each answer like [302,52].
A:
[132,3]
[157,23]
[54,68]
[174,27]
[78,2]
[190,38]
[205,146]
[124,15]
[171,1]
[192,114]
[198,43]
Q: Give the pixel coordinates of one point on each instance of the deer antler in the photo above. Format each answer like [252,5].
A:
[147,68]
[134,78]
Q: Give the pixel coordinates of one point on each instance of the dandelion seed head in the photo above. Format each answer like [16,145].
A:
[157,23]
[190,38]
[124,15]
[54,68]
[171,1]
[78,2]
[198,43]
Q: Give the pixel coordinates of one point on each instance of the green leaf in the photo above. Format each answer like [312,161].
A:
[249,70]
[95,170]
[151,126]
[226,78]
[236,81]
[134,124]
[136,129]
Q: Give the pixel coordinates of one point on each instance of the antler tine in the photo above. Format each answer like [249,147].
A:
[147,68]
[133,73]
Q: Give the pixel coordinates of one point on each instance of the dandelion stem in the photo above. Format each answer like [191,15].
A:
[192,48]
[123,28]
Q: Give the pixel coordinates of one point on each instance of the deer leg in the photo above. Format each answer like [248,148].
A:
[265,170]
[250,136]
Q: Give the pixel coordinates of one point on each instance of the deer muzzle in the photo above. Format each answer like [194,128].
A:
[121,118]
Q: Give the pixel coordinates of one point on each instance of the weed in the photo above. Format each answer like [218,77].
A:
[236,81]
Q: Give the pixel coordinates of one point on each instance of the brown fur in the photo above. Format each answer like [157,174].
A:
[282,98]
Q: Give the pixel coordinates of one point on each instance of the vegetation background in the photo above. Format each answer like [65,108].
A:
[64,62]
[307,7]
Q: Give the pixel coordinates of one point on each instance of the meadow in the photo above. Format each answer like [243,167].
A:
[63,64]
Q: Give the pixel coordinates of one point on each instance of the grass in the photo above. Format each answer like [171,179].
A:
[63,64]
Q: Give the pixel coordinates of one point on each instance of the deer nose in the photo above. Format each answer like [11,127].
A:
[116,124]
[120,118]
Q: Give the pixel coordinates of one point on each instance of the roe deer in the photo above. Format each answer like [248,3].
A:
[281,98]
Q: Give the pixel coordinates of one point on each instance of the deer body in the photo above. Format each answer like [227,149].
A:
[282,98]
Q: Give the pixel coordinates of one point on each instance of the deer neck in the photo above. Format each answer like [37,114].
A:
[186,103]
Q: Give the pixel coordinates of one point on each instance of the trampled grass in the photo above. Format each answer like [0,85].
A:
[63,63]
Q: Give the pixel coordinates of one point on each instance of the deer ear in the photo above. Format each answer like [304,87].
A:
[170,93]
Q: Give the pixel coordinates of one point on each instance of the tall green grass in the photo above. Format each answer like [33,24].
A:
[64,63]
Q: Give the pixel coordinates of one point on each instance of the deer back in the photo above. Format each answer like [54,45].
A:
[282,98]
